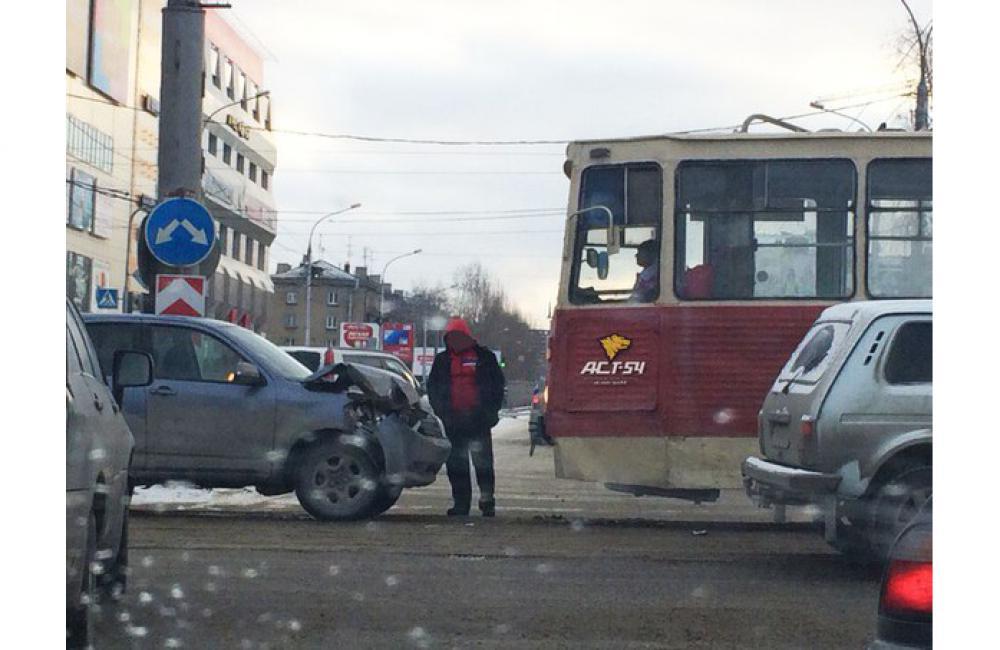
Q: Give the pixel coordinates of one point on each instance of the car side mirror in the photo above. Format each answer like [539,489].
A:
[130,369]
[247,374]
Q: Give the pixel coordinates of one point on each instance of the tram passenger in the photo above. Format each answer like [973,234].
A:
[646,281]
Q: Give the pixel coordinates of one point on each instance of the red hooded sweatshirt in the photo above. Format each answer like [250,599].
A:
[464,361]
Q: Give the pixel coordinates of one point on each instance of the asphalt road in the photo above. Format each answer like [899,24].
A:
[564,565]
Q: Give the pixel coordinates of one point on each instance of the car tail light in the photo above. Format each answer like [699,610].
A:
[807,426]
[534,399]
[908,588]
[328,357]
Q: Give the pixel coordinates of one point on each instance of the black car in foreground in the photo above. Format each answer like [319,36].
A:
[906,601]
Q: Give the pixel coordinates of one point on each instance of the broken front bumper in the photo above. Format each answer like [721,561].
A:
[412,458]
[769,483]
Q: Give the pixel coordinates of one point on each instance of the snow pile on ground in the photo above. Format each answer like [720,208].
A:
[184,494]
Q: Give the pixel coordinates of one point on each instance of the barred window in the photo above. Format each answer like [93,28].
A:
[86,143]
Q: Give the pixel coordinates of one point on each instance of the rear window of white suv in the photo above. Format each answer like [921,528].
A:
[812,357]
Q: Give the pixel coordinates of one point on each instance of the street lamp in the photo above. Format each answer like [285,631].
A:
[309,265]
[208,119]
[818,106]
[381,297]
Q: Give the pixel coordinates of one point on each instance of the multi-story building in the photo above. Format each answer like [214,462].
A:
[338,296]
[102,47]
[112,86]
[240,157]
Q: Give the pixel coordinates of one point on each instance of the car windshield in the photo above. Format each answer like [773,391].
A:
[273,358]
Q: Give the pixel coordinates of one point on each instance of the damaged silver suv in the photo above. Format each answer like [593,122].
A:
[227,408]
[847,424]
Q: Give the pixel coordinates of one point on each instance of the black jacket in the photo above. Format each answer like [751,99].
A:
[489,380]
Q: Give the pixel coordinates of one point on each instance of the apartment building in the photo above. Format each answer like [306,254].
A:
[338,296]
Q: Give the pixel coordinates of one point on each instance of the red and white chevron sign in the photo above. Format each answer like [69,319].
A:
[180,295]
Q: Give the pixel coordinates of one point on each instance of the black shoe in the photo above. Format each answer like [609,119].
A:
[488,508]
[458,512]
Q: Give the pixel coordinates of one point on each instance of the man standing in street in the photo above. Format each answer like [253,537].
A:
[465,388]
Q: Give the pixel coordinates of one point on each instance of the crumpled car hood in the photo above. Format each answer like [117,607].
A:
[387,391]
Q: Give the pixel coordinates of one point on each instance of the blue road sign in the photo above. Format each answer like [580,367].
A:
[180,232]
[107,298]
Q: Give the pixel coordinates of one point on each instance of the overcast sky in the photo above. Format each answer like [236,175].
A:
[513,70]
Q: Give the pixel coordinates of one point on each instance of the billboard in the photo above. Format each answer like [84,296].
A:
[359,335]
[111,47]
[77,33]
[397,339]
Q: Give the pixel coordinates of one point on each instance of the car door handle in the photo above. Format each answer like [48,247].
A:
[98,404]
[162,390]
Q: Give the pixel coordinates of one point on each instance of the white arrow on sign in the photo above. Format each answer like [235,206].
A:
[165,234]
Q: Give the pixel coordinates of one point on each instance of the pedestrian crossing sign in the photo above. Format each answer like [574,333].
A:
[107,298]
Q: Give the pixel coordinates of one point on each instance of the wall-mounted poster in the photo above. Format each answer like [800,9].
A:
[81,201]
[78,279]
[104,207]
[110,54]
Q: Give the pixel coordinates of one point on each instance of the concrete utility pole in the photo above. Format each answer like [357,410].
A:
[182,78]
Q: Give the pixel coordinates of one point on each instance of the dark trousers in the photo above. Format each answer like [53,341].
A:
[467,439]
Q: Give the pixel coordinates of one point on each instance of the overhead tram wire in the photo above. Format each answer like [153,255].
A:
[127,196]
[368,138]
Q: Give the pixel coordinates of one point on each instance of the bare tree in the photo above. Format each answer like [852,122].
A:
[918,46]
[496,324]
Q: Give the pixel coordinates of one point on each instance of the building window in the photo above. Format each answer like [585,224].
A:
[88,144]
[331,298]
[213,66]
[290,319]
[331,322]
[291,297]
[267,111]
[248,258]
[241,90]
[213,144]
[265,179]
[290,340]
[230,80]
[252,172]
[236,245]
[261,256]
[254,100]
[240,162]
[80,213]
[227,154]
[224,240]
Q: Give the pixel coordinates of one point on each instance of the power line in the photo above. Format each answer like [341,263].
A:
[369,138]
[412,172]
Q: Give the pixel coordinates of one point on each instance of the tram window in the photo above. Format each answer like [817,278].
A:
[764,229]
[634,194]
[900,228]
